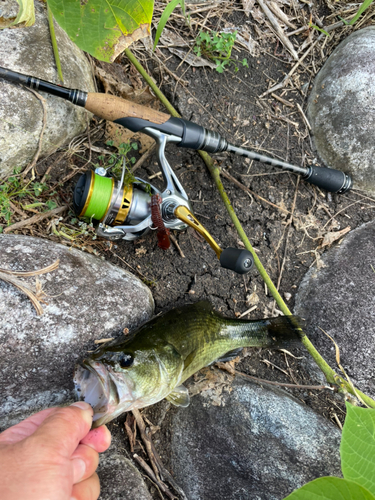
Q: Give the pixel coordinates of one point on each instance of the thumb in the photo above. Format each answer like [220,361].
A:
[64,428]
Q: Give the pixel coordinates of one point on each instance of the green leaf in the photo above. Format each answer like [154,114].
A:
[104,28]
[32,205]
[26,14]
[320,29]
[357,447]
[362,8]
[331,488]
[165,16]
[51,204]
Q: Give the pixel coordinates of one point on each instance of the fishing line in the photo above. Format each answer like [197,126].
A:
[101,189]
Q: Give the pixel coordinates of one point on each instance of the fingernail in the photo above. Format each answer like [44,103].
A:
[83,406]
[79,469]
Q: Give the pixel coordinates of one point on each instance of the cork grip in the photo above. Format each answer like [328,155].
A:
[113,108]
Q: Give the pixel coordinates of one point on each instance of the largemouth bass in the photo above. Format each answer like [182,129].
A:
[151,364]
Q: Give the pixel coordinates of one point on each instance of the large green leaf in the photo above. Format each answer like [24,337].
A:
[104,28]
[358,446]
[331,488]
[26,14]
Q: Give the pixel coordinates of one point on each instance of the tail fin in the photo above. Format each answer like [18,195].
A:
[283,331]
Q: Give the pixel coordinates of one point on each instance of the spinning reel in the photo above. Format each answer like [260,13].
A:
[128,212]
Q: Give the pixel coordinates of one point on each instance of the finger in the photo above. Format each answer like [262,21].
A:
[85,461]
[99,439]
[87,490]
[25,428]
[63,429]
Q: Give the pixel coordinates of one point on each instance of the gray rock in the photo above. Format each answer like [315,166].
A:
[341,108]
[339,298]
[29,51]
[120,479]
[87,299]
[262,444]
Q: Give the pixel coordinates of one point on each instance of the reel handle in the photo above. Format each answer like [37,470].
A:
[239,261]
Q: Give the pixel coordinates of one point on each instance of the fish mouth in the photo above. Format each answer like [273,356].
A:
[97,386]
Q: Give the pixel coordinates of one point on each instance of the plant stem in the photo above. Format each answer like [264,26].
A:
[54,43]
[329,373]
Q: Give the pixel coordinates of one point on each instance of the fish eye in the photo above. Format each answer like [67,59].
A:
[126,360]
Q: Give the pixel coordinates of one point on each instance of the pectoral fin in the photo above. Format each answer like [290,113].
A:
[179,396]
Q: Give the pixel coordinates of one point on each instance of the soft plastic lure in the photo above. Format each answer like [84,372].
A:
[163,233]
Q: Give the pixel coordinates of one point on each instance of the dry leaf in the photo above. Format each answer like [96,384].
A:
[191,58]
[330,237]
[258,15]
[170,38]
[252,299]
[319,262]
[211,384]
[140,251]
[247,6]
[246,40]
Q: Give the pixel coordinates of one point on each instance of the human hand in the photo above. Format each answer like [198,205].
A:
[52,455]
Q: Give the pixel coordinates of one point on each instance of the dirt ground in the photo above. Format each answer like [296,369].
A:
[285,218]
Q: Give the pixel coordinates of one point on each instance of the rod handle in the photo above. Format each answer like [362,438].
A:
[329,179]
[239,261]
[114,108]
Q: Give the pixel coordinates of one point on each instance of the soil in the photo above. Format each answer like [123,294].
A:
[287,245]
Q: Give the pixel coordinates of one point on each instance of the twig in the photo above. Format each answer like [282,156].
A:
[9,277]
[54,43]
[157,466]
[132,433]
[147,441]
[17,210]
[286,103]
[287,77]
[144,157]
[299,30]
[269,363]
[36,156]
[247,312]
[56,162]
[280,34]
[19,284]
[281,15]
[151,474]
[175,242]
[304,116]
[35,218]
[289,223]
[225,174]
[281,384]
[44,270]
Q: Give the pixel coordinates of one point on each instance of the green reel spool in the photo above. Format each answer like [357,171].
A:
[92,195]
[102,198]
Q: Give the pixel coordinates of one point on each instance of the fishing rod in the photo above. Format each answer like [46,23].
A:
[128,211]
[137,118]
